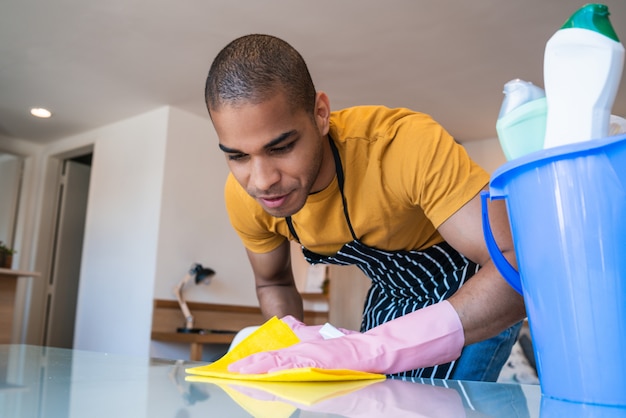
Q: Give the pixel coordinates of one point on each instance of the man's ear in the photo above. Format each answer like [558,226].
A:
[322,112]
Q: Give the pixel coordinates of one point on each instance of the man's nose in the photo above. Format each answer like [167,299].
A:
[264,174]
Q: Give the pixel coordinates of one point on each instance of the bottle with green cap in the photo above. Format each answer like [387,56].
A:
[582,68]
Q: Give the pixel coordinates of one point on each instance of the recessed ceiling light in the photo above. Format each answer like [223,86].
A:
[40,112]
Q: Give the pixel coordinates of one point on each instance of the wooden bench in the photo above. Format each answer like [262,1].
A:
[219,322]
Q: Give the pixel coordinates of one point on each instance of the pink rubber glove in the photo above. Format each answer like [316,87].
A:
[306,332]
[427,337]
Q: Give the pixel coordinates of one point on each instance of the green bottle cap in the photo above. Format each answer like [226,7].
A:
[594,17]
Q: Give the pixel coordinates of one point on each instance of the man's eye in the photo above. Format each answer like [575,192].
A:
[283,149]
[236,157]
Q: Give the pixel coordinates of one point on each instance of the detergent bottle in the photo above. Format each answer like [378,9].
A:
[583,64]
[521,123]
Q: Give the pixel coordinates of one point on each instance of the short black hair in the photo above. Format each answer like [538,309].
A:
[252,68]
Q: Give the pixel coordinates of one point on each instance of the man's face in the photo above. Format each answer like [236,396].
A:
[274,152]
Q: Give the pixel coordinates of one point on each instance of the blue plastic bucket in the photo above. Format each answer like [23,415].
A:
[553,408]
[567,210]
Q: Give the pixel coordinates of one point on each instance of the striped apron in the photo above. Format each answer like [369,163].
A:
[402,281]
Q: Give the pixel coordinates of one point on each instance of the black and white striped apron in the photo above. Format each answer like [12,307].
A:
[402,281]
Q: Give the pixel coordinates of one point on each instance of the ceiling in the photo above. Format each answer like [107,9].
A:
[96,62]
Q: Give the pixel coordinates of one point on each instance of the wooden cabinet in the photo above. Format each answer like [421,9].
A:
[8,288]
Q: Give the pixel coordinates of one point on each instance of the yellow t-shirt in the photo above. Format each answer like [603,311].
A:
[404,176]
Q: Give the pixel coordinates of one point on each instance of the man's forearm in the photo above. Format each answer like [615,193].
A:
[487,305]
[280,300]
[275,286]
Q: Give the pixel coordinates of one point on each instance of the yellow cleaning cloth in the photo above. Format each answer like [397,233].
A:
[274,335]
[302,393]
[259,408]
[281,399]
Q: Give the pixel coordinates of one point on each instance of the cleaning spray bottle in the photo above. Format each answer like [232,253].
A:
[583,64]
[521,124]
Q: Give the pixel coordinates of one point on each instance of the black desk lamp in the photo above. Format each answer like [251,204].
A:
[200,275]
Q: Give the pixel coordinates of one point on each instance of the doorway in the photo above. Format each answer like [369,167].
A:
[68,233]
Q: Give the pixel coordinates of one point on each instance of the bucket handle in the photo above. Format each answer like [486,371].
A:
[502,264]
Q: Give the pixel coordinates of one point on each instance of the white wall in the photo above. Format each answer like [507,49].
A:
[486,152]
[114,311]
[10,177]
[194,225]
[28,201]
[26,228]
[156,206]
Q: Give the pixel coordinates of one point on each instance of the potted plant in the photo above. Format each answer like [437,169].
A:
[6,255]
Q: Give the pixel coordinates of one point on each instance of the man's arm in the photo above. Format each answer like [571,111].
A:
[482,308]
[275,285]
[486,304]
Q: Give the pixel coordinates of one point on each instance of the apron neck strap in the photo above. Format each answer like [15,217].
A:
[340,182]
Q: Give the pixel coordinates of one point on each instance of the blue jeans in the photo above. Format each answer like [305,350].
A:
[483,361]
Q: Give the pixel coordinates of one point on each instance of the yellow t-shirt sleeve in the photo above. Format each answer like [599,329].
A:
[433,170]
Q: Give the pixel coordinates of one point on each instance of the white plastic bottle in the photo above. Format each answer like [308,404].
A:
[521,124]
[583,65]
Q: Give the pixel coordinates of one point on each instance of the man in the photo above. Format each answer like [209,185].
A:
[385,189]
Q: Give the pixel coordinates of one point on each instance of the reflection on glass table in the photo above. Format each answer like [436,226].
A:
[50,382]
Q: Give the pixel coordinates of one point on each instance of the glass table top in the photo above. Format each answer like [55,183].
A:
[52,382]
